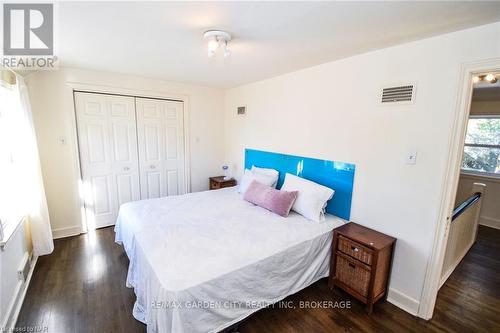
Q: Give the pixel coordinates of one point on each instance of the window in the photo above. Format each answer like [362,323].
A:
[482,146]
[11,196]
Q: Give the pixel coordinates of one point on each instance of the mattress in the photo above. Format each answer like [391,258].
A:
[203,261]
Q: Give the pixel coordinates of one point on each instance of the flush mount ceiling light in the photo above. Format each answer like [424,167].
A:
[490,78]
[217,39]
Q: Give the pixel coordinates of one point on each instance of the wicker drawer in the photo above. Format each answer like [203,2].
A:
[355,250]
[353,274]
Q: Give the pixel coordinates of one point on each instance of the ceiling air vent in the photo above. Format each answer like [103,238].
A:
[399,94]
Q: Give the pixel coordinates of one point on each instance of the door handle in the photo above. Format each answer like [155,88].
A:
[126,169]
[152,167]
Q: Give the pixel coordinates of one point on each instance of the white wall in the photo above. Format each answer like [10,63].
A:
[11,288]
[332,112]
[482,108]
[52,103]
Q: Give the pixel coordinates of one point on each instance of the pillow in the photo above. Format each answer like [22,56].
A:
[312,198]
[249,176]
[279,202]
[268,172]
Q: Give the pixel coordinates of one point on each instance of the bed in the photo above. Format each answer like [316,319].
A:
[204,261]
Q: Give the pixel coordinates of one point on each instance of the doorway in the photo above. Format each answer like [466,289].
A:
[469,73]
[478,190]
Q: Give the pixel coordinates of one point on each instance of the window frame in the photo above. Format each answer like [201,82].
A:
[478,145]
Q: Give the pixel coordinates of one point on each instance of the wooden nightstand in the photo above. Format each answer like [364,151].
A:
[361,262]
[216,183]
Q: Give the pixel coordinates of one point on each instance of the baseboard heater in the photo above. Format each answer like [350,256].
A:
[24,268]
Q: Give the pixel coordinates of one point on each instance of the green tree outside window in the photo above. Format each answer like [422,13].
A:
[482,145]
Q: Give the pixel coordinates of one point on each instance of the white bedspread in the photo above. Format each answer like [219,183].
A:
[203,261]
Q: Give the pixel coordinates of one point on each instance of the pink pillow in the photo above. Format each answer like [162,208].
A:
[279,202]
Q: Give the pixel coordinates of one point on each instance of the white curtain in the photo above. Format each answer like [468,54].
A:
[32,182]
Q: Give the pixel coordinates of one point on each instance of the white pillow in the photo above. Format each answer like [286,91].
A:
[312,198]
[268,172]
[250,176]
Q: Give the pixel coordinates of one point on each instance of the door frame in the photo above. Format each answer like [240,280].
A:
[449,186]
[113,90]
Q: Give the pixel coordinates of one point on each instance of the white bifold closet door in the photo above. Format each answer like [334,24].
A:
[130,149]
[161,147]
[108,155]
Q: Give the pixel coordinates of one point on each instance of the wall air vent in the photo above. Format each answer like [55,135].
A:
[399,94]
[241,110]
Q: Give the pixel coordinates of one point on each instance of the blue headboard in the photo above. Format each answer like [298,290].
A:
[338,176]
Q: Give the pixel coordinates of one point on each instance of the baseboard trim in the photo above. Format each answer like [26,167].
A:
[66,232]
[403,301]
[489,222]
[18,301]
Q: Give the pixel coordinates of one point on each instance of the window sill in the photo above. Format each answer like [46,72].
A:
[485,177]
[9,230]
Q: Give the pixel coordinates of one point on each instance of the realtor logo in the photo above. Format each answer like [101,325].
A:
[28,29]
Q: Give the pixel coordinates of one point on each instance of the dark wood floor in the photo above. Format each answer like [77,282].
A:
[80,288]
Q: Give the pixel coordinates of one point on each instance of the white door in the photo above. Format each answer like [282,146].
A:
[107,140]
[160,132]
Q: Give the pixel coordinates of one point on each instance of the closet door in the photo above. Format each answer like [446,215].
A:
[160,131]
[107,140]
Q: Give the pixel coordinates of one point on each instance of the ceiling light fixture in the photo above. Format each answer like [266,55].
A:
[216,39]
[490,78]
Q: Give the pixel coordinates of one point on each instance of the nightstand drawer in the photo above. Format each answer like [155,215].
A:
[355,250]
[353,274]
[214,185]
[219,182]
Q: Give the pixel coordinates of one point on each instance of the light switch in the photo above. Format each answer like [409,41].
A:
[62,141]
[411,158]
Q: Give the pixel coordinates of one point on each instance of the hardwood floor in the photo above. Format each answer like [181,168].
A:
[81,288]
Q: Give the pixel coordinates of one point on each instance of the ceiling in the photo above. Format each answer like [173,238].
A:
[165,40]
